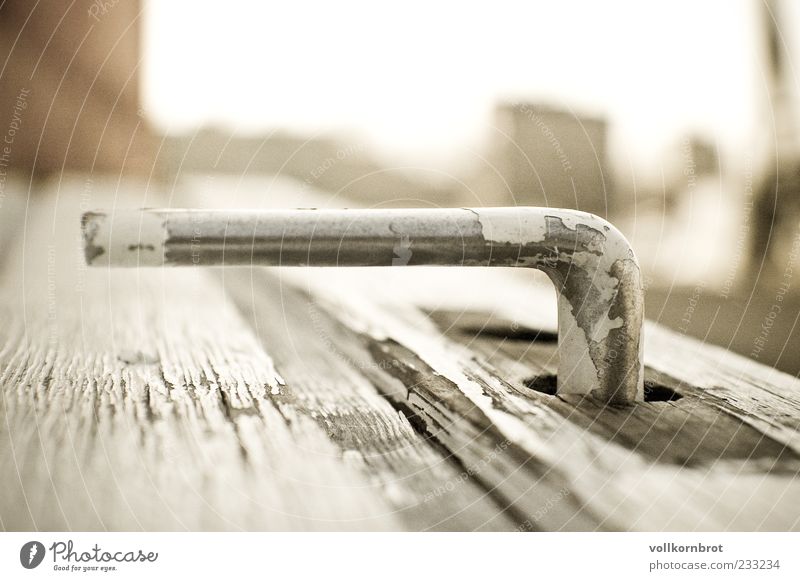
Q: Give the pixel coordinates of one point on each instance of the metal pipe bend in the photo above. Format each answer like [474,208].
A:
[594,269]
[600,295]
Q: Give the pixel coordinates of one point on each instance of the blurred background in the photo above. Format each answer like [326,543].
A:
[678,121]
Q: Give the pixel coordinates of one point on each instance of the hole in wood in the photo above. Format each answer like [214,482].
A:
[656,392]
[545,384]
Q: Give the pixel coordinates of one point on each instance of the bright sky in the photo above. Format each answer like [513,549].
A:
[418,78]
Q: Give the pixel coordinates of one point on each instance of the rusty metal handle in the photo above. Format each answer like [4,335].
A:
[593,267]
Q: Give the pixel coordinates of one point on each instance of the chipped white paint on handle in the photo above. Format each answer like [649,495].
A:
[591,264]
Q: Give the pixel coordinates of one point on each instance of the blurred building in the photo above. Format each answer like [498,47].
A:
[69,96]
[341,167]
[544,156]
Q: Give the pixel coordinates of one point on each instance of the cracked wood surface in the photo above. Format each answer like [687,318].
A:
[263,399]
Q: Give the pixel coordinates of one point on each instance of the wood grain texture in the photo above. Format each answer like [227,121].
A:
[690,464]
[290,399]
[143,400]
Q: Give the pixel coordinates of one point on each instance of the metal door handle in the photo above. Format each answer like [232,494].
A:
[594,269]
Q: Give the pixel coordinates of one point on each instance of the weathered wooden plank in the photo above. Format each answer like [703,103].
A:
[329,381]
[119,408]
[341,398]
[143,400]
[718,468]
[702,459]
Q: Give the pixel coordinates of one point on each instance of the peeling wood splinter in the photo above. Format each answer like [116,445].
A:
[592,265]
